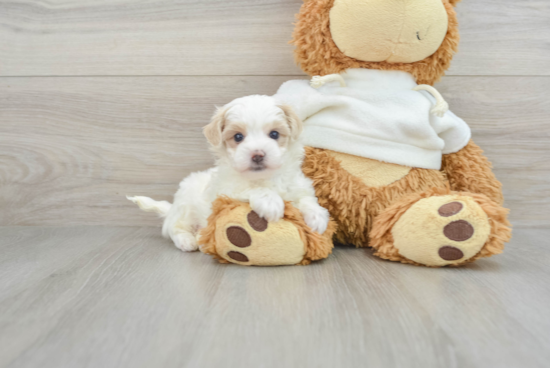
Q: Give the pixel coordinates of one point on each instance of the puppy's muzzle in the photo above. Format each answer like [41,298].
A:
[258,158]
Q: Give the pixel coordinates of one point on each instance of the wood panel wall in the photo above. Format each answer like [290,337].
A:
[103,98]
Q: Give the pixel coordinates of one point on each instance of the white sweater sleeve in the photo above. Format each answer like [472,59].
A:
[304,99]
[450,128]
[456,135]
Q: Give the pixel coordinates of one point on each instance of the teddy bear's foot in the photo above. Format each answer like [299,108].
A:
[236,234]
[439,230]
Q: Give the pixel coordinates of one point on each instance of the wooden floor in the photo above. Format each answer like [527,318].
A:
[124,297]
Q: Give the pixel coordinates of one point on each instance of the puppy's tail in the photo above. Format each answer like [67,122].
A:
[150,205]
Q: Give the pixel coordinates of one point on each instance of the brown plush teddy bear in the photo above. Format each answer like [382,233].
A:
[396,170]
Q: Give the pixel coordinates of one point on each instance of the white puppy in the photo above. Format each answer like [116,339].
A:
[259,160]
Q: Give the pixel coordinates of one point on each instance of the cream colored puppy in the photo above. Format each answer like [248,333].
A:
[259,158]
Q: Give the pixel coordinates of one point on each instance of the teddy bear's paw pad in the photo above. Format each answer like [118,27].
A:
[449,253]
[459,230]
[442,230]
[256,222]
[238,237]
[237,256]
[450,209]
[243,237]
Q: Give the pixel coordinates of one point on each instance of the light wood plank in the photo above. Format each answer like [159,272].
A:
[509,117]
[153,37]
[107,297]
[71,150]
[241,37]
[503,38]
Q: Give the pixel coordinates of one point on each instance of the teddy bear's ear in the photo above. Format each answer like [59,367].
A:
[452,2]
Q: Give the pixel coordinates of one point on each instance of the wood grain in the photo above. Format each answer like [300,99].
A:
[510,117]
[125,297]
[503,38]
[71,150]
[239,37]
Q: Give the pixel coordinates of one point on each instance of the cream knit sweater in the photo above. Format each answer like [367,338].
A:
[376,115]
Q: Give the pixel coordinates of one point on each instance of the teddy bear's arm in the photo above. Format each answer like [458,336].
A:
[470,171]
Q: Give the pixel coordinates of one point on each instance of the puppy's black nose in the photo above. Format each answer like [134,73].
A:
[258,158]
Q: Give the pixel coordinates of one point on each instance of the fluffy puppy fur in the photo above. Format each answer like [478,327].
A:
[259,160]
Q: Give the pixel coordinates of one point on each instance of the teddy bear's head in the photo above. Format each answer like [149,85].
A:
[416,36]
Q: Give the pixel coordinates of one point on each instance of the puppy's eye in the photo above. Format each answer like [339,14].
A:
[238,137]
[274,135]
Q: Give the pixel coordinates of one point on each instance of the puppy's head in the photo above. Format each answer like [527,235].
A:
[253,134]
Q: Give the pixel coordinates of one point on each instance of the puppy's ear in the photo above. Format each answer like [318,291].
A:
[294,122]
[213,131]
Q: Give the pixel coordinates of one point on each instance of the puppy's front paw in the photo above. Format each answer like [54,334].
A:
[271,208]
[316,218]
[187,242]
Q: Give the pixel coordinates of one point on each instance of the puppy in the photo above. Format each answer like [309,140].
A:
[259,158]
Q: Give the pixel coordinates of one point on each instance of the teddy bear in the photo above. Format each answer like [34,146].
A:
[397,170]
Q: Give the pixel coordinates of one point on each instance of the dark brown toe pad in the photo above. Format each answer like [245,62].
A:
[239,237]
[449,253]
[239,257]
[459,230]
[450,209]
[256,222]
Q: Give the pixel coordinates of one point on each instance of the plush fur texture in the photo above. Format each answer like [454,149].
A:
[315,246]
[372,173]
[350,202]
[382,239]
[396,31]
[317,54]
[366,215]
[422,232]
[469,170]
